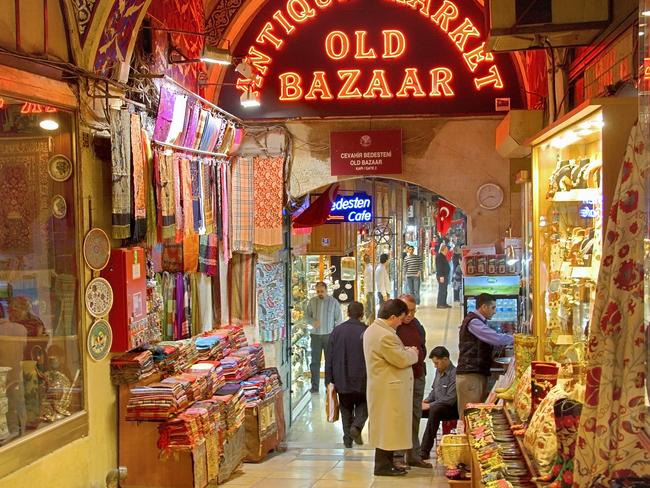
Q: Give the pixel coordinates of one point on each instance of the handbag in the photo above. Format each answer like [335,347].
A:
[332,404]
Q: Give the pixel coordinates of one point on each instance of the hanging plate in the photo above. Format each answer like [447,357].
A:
[59,167]
[99,340]
[97,249]
[59,207]
[99,297]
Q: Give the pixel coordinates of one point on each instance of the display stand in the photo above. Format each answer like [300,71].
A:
[265,428]
[234,451]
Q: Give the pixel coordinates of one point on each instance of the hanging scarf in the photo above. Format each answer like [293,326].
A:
[169,296]
[201,198]
[216,295]
[225,210]
[220,122]
[205,320]
[178,198]
[271,300]
[153,210]
[166,193]
[187,306]
[200,127]
[218,199]
[179,320]
[121,173]
[207,190]
[241,279]
[208,249]
[139,179]
[190,130]
[195,312]
[178,119]
[268,204]
[186,196]
[195,168]
[165,114]
[242,222]
[238,138]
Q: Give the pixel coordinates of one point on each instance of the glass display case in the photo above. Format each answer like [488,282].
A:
[575,167]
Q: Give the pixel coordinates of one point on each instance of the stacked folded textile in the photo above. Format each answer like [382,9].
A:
[274,384]
[183,431]
[237,336]
[232,395]
[131,367]
[158,401]
[210,346]
[236,368]
[256,354]
[172,357]
[197,389]
[261,386]
[213,372]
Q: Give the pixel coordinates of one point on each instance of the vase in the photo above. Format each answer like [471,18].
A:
[4,403]
[525,348]
[31,389]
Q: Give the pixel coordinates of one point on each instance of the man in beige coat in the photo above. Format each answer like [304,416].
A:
[389,389]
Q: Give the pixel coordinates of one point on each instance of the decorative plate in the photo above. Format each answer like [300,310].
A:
[99,297]
[59,167]
[97,249]
[99,340]
[59,207]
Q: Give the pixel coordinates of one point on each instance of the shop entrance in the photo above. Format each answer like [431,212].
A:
[404,233]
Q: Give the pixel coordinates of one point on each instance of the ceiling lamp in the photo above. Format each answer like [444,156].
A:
[250,99]
[216,55]
[246,69]
[49,123]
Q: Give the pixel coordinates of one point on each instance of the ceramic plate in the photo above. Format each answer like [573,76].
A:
[100,339]
[97,249]
[99,297]
[59,167]
[59,207]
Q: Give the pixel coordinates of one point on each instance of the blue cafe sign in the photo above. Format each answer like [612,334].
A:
[355,208]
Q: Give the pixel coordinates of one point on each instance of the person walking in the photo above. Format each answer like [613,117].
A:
[413,273]
[345,368]
[441,403]
[369,286]
[442,274]
[457,275]
[323,312]
[476,340]
[389,388]
[413,334]
[382,279]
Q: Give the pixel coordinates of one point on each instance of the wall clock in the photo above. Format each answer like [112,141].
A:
[489,196]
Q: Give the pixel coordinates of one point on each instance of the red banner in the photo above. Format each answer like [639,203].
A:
[369,152]
[444,218]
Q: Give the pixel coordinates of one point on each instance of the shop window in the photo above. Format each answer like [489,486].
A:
[40,363]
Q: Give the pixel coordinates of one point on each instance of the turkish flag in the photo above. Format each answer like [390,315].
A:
[444,216]
[318,210]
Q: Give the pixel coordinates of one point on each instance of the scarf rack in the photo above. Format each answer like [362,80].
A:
[189,149]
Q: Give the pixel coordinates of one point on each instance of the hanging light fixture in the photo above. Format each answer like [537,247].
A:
[246,69]
[216,55]
[250,99]
[49,123]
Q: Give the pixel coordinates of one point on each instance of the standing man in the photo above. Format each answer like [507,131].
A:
[441,404]
[413,272]
[382,279]
[369,284]
[476,340]
[345,367]
[390,387]
[323,312]
[413,334]
[442,274]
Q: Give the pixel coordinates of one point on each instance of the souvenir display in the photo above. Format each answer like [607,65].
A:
[100,338]
[525,348]
[59,207]
[4,403]
[59,167]
[97,249]
[99,297]
[543,379]
[58,388]
[567,419]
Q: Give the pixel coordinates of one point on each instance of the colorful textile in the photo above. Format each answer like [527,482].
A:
[613,438]
[268,204]
[187,306]
[180,324]
[201,198]
[270,283]
[195,166]
[243,206]
[225,210]
[208,189]
[178,198]
[241,279]
[194,292]
[193,121]
[208,249]
[153,210]
[204,303]
[178,119]
[165,114]
[216,295]
[139,179]
[186,196]
[163,165]
[169,297]
[121,173]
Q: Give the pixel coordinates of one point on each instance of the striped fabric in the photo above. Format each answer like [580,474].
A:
[241,278]
[242,223]
[412,265]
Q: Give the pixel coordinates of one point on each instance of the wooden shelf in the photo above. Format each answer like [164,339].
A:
[530,464]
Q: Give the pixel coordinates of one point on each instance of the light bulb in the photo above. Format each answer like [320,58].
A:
[49,124]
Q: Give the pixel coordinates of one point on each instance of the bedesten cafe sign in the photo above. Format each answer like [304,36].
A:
[355,208]
[370,57]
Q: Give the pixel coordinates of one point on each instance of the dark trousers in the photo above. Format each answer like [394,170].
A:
[442,292]
[413,287]
[354,412]
[413,455]
[457,295]
[435,415]
[383,460]
[318,348]
[380,297]
[370,306]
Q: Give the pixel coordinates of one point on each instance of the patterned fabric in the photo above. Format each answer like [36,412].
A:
[153,211]
[612,441]
[178,199]
[268,204]
[270,283]
[164,165]
[169,297]
[208,249]
[241,278]
[139,180]
[242,223]
[195,165]
[84,11]
[165,113]
[186,196]
[523,396]
[121,173]
[225,210]
[208,189]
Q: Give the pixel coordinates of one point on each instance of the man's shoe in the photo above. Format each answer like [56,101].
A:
[390,472]
[420,464]
[401,466]
[347,443]
[425,455]
[355,433]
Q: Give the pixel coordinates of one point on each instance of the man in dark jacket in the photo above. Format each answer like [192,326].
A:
[442,274]
[345,367]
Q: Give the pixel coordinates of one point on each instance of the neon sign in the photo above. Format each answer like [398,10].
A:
[356,208]
[36,108]
[415,56]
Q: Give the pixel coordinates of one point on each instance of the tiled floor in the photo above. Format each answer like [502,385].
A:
[316,457]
